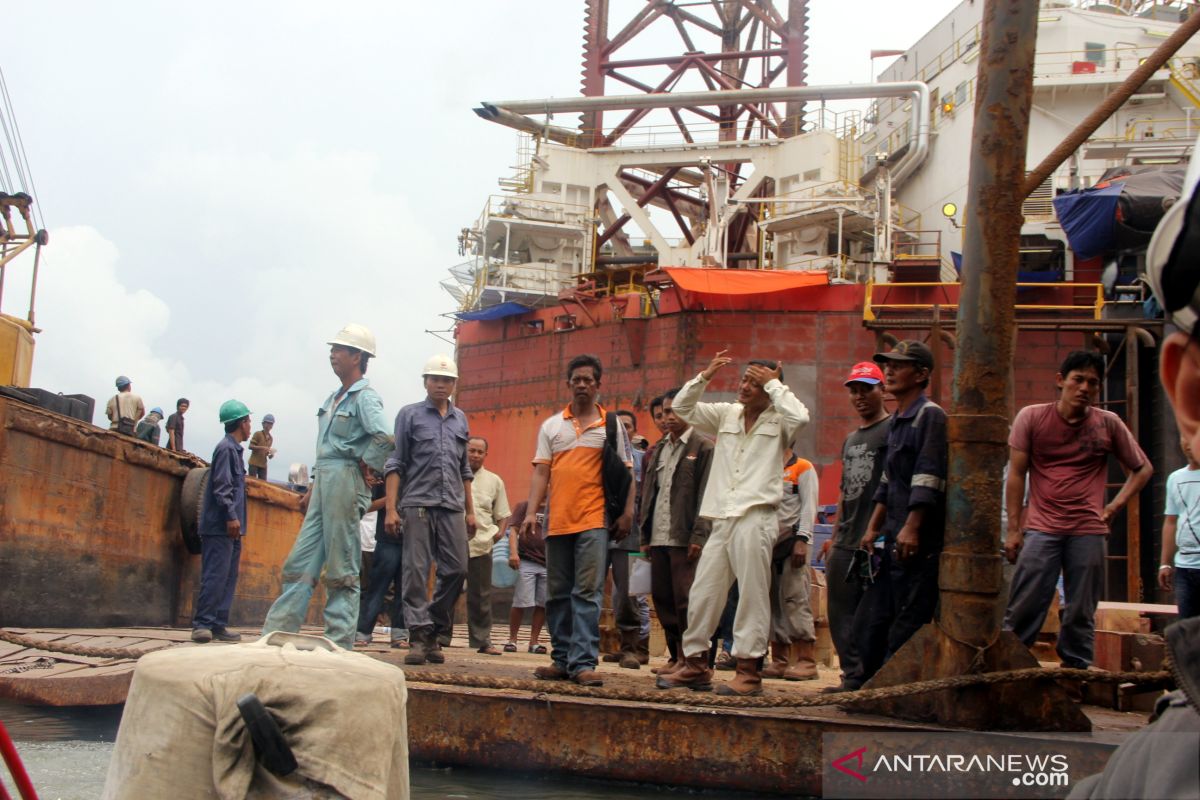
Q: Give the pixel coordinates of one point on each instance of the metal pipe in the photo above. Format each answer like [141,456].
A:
[978,425]
[521,122]
[1106,109]
[919,91]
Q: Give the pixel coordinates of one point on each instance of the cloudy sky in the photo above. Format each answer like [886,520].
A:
[226,185]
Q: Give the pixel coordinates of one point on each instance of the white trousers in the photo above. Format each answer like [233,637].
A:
[738,549]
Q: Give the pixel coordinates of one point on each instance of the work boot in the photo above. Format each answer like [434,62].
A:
[225,635]
[804,665]
[433,652]
[779,661]
[746,683]
[628,656]
[643,650]
[201,635]
[551,672]
[675,661]
[418,647]
[588,677]
[693,673]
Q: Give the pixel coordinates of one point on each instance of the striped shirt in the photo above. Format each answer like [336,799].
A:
[574,454]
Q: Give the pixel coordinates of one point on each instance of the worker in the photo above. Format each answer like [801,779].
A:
[222,526]
[148,430]
[352,436]
[742,499]
[125,408]
[428,481]
[262,448]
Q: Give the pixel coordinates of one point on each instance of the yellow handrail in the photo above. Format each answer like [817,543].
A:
[870,307]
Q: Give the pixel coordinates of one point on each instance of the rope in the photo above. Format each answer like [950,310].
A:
[76,649]
[543,689]
[690,698]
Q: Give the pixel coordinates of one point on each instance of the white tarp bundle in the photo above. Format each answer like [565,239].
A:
[342,713]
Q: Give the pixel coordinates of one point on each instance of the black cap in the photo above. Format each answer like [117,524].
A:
[908,350]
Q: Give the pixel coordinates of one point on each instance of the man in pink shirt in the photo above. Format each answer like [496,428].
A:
[1063,447]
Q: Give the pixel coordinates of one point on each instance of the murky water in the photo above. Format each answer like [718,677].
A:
[66,752]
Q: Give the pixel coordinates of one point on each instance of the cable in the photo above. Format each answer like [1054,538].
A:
[28,171]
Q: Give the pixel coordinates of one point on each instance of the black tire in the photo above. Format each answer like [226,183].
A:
[191,503]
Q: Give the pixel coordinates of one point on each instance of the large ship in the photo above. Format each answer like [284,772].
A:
[708,199]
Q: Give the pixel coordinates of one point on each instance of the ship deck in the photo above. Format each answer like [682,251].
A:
[604,735]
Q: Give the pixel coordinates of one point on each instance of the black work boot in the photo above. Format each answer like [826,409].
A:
[643,650]
[418,648]
[628,656]
[433,650]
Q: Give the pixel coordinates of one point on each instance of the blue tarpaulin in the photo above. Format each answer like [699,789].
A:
[1089,218]
[495,312]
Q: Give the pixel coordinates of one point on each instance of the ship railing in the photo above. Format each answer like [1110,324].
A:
[1087,299]
[663,130]
[528,208]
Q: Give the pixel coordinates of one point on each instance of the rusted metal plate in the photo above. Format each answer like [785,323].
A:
[89,530]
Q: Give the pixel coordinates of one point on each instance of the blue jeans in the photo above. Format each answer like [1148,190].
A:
[1042,557]
[1187,592]
[575,571]
[387,565]
[219,557]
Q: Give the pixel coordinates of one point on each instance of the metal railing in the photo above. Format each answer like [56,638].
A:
[871,308]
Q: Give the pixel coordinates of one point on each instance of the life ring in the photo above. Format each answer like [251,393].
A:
[191,504]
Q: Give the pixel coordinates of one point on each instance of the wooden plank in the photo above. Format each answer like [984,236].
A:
[1141,608]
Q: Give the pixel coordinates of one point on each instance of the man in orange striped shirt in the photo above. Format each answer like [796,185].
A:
[568,463]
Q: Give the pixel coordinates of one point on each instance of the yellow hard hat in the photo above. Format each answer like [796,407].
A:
[441,365]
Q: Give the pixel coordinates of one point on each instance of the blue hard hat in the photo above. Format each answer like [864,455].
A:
[269,418]
[157,410]
[122,381]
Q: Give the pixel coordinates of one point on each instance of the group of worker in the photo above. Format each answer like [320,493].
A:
[126,414]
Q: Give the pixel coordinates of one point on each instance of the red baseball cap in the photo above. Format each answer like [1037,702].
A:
[865,372]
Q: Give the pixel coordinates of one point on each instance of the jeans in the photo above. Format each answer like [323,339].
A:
[575,567]
[1187,592]
[387,569]
[219,557]
[873,618]
[328,542]
[1042,557]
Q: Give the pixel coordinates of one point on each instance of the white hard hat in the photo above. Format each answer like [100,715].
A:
[356,336]
[441,365]
[1173,257]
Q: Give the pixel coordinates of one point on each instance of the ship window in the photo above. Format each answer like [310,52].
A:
[960,94]
[1095,52]
[813,175]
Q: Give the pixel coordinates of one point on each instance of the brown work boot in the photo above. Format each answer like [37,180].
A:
[693,673]
[643,650]
[588,677]
[778,664]
[551,672]
[418,648]
[628,655]
[804,665]
[675,661]
[746,683]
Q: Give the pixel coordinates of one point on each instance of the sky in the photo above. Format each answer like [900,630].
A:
[226,185]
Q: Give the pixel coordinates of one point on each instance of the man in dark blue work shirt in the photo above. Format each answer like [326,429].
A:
[910,503]
[429,483]
[222,526]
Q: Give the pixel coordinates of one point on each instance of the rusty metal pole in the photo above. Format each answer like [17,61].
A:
[966,635]
[978,426]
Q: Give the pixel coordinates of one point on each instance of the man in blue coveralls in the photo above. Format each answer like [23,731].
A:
[352,434]
[222,526]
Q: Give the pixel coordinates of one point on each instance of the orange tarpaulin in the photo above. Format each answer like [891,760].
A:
[748,289]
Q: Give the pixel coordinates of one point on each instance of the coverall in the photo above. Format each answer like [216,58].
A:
[352,430]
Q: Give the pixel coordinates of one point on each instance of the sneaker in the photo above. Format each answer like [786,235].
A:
[361,639]
[224,635]
[201,635]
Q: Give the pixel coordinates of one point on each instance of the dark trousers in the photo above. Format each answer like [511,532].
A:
[624,607]
[914,597]
[723,638]
[433,536]
[219,557]
[1043,556]
[387,568]
[258,472]
[1187,592]
[844,596]
[671,574]
[873,618]
[479,600]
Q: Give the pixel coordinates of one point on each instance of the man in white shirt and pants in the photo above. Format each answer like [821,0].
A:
[742,499]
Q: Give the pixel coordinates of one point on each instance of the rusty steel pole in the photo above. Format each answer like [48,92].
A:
[970,576]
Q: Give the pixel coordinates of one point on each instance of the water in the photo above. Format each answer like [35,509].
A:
[66,752]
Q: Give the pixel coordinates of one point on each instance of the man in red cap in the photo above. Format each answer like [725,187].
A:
[863,454]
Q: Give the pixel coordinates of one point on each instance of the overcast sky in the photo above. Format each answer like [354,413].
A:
[227,184]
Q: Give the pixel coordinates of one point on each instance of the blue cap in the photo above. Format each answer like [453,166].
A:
[122,381]
[157,410]
[269,418]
